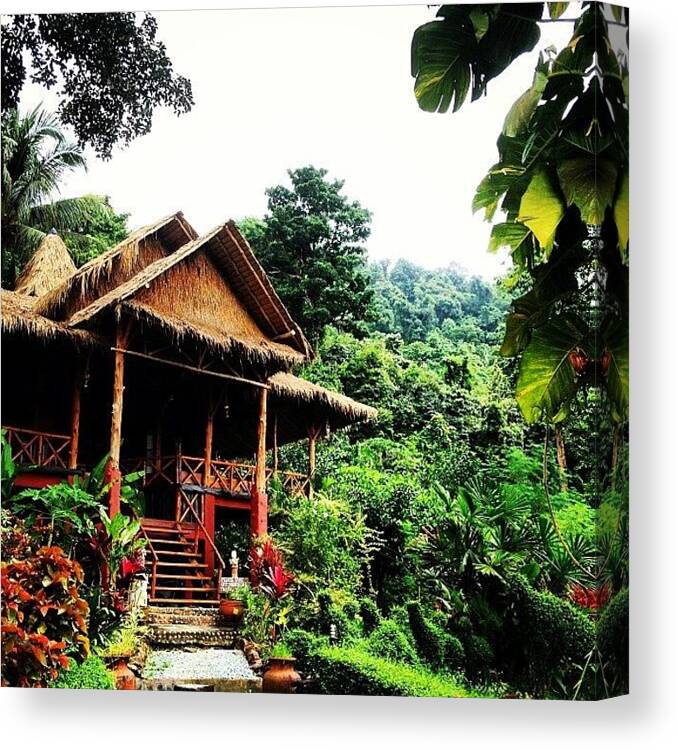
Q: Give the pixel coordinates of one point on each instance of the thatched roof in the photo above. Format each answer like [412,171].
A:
[50,265]
[20,319]
[300,404]
[275,337]
[101,274]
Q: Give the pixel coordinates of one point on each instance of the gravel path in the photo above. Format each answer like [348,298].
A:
[206,664]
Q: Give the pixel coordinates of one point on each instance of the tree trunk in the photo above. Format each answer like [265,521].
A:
[562,458]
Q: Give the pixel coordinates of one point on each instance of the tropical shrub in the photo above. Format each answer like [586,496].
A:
[613,641]
[43,617]
[544,640]
[429,638]
[478,658]
[455,657]
[302,645]
[329,542]
[370,614]
[388,641]
[90,675]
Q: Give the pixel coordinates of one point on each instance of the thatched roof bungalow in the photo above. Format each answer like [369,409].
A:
[191,339]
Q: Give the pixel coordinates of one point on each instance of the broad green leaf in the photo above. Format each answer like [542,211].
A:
[546,379]
[621,214]
[541,209]
[493,186]
[442,75]
[556,10]
[480,22]
[508,234]
[523,108]
[589,184]
[466,47]
[617,345]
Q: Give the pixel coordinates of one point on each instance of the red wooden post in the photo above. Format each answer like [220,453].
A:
[259,512]
[209,500]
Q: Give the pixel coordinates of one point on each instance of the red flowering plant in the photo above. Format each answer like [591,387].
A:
[593,598]
[43,617]
[267,568]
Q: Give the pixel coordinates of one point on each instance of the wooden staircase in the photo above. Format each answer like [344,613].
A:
[176,565]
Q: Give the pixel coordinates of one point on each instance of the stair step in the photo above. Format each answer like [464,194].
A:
[201,602]
[161,531]
[192,634]
[186,588]
[182,577]
[178,564]
[170,541]
[172,553]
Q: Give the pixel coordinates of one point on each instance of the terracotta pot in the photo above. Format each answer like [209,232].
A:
[124,677]
[280,676]
[232,610]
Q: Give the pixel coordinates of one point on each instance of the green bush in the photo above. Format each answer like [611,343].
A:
[370,614]
[479,657]
[353,671]
[429,638]
[90,675]
[545,640]
[303,644]
[331,613]
[613,641]
[388,641]
[455,657]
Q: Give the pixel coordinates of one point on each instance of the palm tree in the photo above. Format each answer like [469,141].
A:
[35,157]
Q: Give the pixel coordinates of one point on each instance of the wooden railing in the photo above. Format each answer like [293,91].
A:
[41,449]
[231,477]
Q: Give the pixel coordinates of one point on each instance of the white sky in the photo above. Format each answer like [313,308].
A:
[278,89]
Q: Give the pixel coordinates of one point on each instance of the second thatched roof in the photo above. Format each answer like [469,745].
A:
[50,265]
[19,318]
[300,405]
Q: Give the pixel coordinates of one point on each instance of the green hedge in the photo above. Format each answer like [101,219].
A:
[90,675]
[388,641]
[544,641]
[353,671]
[613,641]
[430,639]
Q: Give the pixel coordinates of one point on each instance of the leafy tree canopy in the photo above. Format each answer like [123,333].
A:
[311,244]
[110,71]
[36,155]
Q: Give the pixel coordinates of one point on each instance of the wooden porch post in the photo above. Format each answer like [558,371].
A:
[259,515]
[75,416]
[209,509]
[313,435]
[275,445]
[113,468]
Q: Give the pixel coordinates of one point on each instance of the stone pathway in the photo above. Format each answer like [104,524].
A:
[209,669]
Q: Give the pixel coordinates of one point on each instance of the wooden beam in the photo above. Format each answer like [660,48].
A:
[113,467]
[118,390]
[190,368]
[275,445]
[209,439]
[313,435]
[260,469]
[75,416]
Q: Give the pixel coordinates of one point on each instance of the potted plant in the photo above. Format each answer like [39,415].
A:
[280,675]
[233,604]
[118,654]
